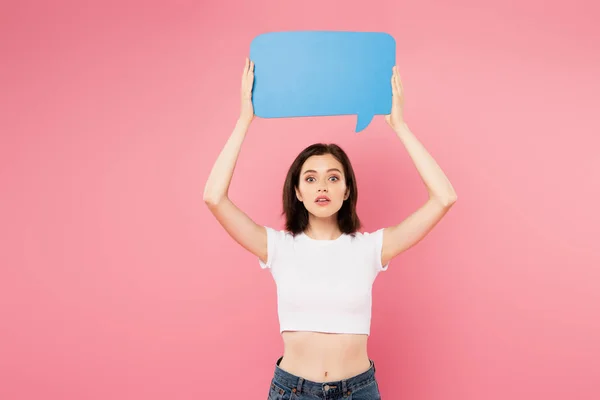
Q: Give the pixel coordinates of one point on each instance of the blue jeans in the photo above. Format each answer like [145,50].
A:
[286,386]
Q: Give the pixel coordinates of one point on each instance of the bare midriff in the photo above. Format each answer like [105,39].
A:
[324,357]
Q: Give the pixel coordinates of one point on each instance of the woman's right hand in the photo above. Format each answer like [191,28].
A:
[247,110]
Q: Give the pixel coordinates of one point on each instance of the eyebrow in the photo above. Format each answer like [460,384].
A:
[314,172]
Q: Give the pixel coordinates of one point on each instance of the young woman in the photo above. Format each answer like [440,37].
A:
[323,266]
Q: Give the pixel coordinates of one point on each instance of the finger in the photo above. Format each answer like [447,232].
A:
[394,87]
[395,76]
[245,71]
[251,74]
[394,94]
[399,80]
[250,82]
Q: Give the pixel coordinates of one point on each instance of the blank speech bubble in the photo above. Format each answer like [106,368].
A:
[322,73]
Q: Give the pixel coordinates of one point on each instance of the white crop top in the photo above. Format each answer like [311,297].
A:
[324,285]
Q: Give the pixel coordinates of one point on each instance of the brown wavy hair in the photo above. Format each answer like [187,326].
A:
[296,215]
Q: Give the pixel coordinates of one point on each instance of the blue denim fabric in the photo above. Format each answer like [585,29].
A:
[286,386]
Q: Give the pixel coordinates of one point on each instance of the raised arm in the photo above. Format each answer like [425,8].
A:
[239,226]
[415,227]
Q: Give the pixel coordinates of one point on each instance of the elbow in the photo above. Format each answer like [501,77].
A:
[447,200]
[450,200]
[208,201]
[213,200]
[212,196]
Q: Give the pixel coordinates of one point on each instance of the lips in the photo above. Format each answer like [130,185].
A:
[322,200]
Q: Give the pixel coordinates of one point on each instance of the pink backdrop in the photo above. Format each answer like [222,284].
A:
[117,283]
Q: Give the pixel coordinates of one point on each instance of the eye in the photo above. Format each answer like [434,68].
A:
[309,179]
[335,177]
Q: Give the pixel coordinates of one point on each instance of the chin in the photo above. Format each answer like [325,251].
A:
[323,213]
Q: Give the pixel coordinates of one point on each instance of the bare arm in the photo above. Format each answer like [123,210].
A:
[239,226]
[217,185]
[442,196]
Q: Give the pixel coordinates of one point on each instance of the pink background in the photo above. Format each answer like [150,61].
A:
[117,283]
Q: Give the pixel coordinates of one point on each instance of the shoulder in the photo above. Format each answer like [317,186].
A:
[371,244]
[367,236]
[278,245]
[280,239]
[279,234]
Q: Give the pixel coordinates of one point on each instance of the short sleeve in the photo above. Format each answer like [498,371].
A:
[272,236]
[377,243]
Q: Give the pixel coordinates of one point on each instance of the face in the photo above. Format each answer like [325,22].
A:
[322,177]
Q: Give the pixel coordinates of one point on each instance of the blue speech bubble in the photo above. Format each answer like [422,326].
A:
[322,73]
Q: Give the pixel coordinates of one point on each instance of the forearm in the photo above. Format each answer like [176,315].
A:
[217,184]
[438,185]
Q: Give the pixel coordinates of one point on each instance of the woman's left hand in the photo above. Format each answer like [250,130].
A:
[396,118]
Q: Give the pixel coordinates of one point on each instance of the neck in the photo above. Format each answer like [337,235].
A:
[323,228]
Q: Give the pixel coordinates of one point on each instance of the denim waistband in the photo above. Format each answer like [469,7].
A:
[301,385]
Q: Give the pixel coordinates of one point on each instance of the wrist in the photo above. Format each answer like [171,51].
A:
[401,128]
[243,123]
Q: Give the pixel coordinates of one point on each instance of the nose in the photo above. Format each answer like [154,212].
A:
[322,189]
